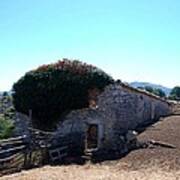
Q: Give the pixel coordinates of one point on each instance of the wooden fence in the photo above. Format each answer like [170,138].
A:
[12,154]
[23,152]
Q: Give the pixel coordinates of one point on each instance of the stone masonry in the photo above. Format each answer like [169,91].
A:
[119,109]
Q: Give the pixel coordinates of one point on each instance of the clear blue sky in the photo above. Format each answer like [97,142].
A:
[129,39]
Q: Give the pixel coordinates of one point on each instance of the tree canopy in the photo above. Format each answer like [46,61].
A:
[159,92]
[156,91]
[175,93]
[52,90]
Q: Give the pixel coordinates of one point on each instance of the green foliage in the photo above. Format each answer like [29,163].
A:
[7,113]
[6,127]
[175,93]
[6,106]
[55,89]
[157,92]
[149,89]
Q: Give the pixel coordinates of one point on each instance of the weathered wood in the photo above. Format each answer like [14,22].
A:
[18,163]
[19,156]
[27,160]
[12,149]
[15,154]
[10,157]
[59,149]
[13,139]
[40,131]
[57,154]
[162,144]
[36,158]
[13,143]
[8,171]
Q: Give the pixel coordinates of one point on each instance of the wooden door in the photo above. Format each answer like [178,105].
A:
[92,136]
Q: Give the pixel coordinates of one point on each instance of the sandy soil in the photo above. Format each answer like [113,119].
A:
[156,164]
[93,172]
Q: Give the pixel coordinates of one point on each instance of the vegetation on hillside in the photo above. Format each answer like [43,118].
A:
[6,127]
[6,115]
[175,93]
[156,91]
[52,90]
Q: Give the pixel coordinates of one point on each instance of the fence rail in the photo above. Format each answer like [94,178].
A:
[22,153]
[58,154]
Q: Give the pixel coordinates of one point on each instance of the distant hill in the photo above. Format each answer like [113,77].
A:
[137,84]
[8,92]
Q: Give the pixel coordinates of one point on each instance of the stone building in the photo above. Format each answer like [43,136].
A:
[105,126]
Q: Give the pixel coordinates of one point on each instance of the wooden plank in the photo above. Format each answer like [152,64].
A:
[8,171]
[40,131]
[13,139]
[18,142]
[18,157]
[17,163]
[63,155]
[10,157]
[13,163]
[59,154]
[162,144]
[58,149]
[12,149]
[59,157]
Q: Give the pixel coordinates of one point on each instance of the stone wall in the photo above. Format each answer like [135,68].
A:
[22,124]
[119,109]
[175,106]
[130,109]
[75,125]
[123,110]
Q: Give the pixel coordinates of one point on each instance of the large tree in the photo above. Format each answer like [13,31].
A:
[55,89]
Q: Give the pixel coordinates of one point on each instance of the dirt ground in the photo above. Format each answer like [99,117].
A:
[167,130]
[157,163]
[93,172]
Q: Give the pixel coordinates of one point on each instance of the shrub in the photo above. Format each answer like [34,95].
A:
[55,89]
[6,127]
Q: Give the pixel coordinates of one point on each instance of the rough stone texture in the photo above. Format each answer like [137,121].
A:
[119,109]
[124,109]
[75,125]
[175,106]
[22,124]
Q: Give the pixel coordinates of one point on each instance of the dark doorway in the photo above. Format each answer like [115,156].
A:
[92,137]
